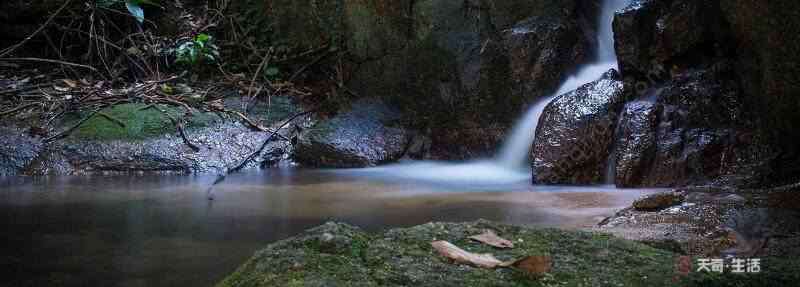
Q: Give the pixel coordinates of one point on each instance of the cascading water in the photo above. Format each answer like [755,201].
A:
[509,165]
[516,148]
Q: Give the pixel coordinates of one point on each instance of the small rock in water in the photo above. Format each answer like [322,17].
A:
[659,201]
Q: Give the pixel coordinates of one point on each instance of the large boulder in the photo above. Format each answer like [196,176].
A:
[129,139]
[691,130]
[725,113]
[575,133]
[359,137]
[463,70]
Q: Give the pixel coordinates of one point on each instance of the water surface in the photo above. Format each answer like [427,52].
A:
[162,231]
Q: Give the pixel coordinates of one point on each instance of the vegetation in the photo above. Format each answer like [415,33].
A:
[341,255]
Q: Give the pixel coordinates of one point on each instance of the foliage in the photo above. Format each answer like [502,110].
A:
[200,49]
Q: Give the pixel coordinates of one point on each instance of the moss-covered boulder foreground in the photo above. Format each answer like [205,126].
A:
[337,254]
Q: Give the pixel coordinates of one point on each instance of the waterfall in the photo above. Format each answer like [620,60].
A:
[509,166]
[514,152]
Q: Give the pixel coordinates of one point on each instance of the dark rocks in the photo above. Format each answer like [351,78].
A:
[359,137]
[716,99]
[636,142]
[462,69]
[575,133]
[17,150]
[659,201]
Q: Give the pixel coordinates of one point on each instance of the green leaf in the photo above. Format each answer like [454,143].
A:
[202,37]
[135,10]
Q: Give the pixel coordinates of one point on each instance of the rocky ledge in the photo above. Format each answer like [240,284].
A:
[133,138]
[337,254]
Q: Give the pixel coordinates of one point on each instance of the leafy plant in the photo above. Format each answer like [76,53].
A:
[197,50]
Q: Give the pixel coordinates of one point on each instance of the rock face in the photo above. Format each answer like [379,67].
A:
[357,138]
[17,150]
[575,133]
[636,142]
[462,69]
[709,73]
[337,254]
[148,142]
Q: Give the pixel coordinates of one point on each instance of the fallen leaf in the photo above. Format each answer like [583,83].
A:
[459,255]
[70,83]
[60,89]
[490,238]
[534,265]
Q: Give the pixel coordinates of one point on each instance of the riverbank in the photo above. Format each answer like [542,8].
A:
[336,254]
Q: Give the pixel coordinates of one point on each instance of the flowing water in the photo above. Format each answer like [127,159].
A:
[510,163]
[162,231]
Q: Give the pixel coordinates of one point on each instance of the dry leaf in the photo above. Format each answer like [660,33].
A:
[60,89]
[535,265]
[490,238]
[459,255]
[70,83]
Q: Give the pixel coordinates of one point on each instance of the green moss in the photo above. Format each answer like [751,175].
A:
[132,122]
[404,257]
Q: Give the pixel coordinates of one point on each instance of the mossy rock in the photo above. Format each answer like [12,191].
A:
[133,122]
[341,255]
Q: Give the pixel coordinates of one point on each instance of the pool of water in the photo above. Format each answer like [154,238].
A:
[162,230]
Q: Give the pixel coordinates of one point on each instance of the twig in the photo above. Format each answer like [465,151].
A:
[264,62]
[306,66]
[14,110]
[75,126]
[11,49]
[112,119]
[253,155]
[179,126]
[49,61]
[23,89]
[255,126]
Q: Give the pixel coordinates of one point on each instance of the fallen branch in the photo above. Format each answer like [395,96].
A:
[179,126]
[66,132]
[112,119]
[249,158]
[50,61]
[11,49]
[14,110]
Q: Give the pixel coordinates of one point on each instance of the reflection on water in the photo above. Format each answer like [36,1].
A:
[161,230]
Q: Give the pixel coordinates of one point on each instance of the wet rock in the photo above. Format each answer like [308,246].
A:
[636,142]
[17,150]
[726,73]
[575,133]
[693,129]
[148,142]
[659,201]
[359,137]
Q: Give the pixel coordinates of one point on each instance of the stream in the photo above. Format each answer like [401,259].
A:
[162,231]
